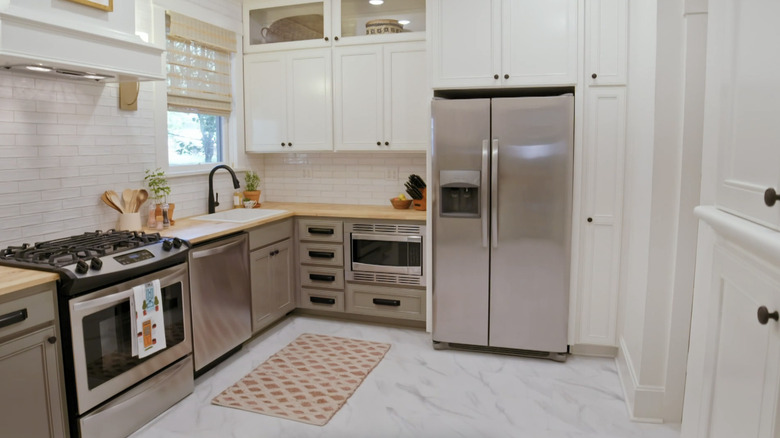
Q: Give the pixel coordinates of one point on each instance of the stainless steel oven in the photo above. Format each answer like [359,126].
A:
[385,253]
[103,361]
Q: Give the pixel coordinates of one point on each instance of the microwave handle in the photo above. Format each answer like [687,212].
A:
[103,301]
[415,239]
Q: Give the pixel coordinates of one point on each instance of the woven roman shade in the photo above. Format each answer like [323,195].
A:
[198,65]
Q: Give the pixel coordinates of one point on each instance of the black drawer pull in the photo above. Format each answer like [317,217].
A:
[321,254]
[321,300]
[386,302]
[321,230]
[320,277]
[13,317]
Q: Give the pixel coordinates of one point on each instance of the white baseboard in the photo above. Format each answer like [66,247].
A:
[645,403]
[593,350]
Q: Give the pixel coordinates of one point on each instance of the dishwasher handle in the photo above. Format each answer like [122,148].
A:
[196,254]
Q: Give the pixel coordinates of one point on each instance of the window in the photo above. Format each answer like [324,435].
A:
[199,84]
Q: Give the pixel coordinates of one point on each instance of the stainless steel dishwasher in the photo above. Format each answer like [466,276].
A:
[220,298]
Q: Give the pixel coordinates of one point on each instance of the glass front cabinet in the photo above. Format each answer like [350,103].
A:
[297,24]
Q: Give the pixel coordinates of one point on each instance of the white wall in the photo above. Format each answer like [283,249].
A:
[656,315]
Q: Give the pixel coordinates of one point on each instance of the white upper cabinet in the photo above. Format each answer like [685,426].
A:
[743,106]
[606,42]
[478,43]
[381,97]
[288,101]
[294,24]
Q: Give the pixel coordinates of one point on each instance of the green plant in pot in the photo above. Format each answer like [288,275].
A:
[159,191]
[252,181]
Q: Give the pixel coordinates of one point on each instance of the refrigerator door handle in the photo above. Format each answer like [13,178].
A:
[484,194]
[494,193]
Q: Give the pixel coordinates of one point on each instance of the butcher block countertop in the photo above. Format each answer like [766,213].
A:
[197,231]
[14,279]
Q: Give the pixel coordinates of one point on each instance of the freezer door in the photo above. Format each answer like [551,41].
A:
[531,148]
[461,256]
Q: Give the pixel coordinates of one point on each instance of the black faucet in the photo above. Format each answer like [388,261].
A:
[212,203]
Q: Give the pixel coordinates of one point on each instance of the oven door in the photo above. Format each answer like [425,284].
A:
[387,254]
[102,340]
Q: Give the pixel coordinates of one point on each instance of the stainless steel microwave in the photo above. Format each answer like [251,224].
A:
[385,253]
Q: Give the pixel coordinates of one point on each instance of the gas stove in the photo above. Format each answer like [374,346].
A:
[97,259]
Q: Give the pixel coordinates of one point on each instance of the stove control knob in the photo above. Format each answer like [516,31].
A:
[167,245]
[96,264]
[82,267]
[177,242]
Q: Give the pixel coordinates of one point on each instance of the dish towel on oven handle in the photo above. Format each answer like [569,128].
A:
[147,319]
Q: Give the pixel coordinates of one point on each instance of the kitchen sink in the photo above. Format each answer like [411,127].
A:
[239,215]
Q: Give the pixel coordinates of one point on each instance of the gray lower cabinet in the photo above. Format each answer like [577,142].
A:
[31,401]
[321,264]
[271,267]
[386,301]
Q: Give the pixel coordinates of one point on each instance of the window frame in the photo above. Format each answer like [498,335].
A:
[232,126]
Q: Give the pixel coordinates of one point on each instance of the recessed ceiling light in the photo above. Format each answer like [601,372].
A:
[38,68]
[403,22]
[376,2]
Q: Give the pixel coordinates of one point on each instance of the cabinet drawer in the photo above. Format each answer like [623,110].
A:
[386,301]
[320,230]
[317,277]
[329,254]
[322,300]
[26,312]
[270,233]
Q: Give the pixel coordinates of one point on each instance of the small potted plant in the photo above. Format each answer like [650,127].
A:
[159,188]
[251,192]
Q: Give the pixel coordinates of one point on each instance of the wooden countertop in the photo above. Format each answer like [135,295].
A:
[197,231]
[14,279]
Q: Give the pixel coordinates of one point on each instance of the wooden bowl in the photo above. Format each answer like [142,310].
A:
[400,204]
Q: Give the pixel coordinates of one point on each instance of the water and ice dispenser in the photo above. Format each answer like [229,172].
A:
[459,193]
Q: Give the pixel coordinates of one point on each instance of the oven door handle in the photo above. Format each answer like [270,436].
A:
[103,301]
[415,239]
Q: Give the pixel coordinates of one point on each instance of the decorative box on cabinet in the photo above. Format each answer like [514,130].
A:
[31,402]
[288,101]
[271,273]
[381,97]
[487,43]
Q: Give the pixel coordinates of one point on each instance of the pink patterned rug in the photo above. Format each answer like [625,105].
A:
[308,380]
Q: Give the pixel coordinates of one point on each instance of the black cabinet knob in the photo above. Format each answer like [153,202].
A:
[495,76]
[336,38]
[770,197]
[326,39]
[590,219]
[506,76]
[283,144]
[764,316]
[289,144]
[52,340]
[387,143]
[379,143]
[594,75]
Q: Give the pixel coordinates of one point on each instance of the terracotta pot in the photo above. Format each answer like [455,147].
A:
[253,195]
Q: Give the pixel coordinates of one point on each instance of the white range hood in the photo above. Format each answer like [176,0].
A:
[75,49]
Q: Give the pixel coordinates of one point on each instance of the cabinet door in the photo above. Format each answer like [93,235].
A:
[309,109]
[465,42]
[357,89]
[272,292]
[602,198]
[265,88]
[606,38]
[31,402]
[286,24]
[742,356]
[407,99]
[743,105]
[539,42]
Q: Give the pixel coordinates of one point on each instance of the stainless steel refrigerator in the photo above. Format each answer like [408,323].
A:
[502,174]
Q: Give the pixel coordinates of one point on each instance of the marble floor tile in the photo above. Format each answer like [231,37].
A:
[417,391]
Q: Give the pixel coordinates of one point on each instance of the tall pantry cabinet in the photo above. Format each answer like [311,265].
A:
[734,357]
